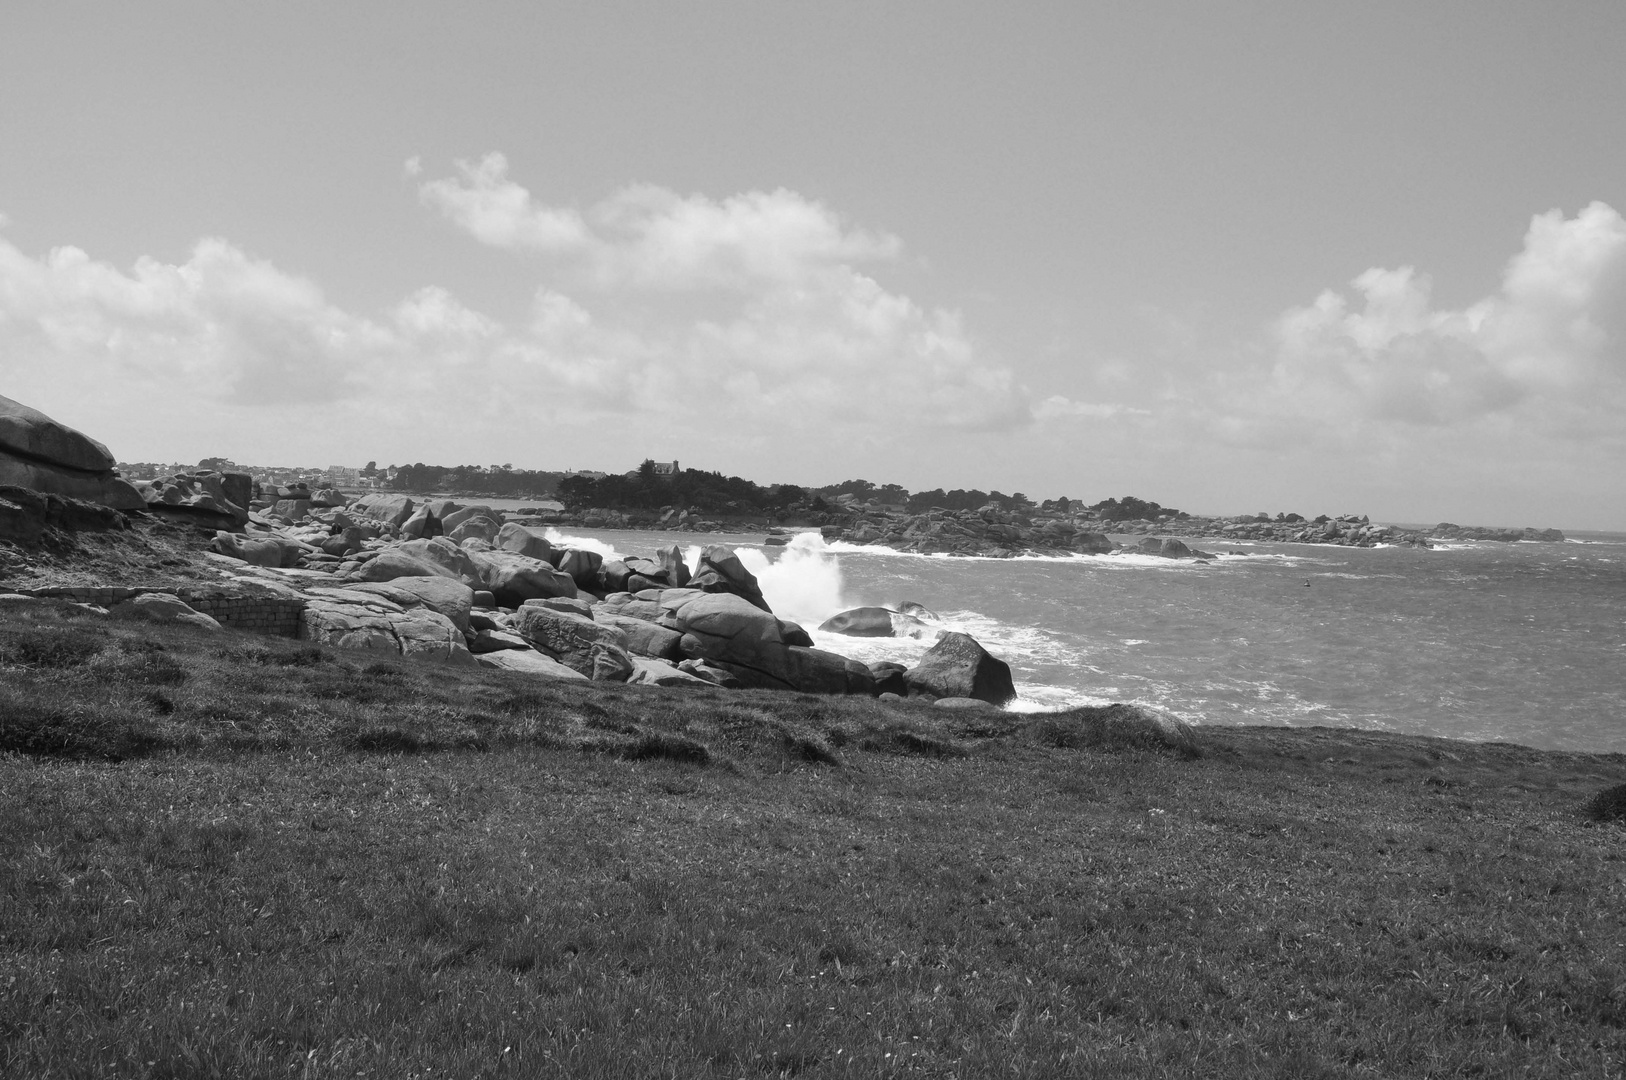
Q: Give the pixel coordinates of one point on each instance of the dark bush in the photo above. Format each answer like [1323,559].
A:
[1608,804]
[665,744]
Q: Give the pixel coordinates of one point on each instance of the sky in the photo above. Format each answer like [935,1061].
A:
[1229,257]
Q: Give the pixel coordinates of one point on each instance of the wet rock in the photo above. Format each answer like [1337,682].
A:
[524,541]
[721,571]
[860,622]
[957,666]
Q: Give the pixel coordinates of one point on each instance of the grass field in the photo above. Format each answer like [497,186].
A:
[225,856]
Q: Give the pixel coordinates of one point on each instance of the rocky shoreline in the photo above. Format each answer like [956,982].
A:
[440,581]
[994,533]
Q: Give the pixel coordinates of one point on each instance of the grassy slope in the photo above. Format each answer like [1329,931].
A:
[310,864]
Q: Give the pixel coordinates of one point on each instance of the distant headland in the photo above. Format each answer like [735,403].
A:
[662,495]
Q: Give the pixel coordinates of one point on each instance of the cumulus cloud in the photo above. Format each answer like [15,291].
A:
[791,340]
[651,237]
[497,211]
[221,322]
[804,330]
[1546,349]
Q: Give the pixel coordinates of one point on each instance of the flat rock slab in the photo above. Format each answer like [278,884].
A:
[530,662]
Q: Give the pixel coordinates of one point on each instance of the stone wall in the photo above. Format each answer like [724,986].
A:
[274,615]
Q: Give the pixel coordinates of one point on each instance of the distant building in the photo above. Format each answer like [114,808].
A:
[664,470]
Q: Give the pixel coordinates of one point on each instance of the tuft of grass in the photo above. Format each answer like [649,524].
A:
[1109,727]
[75,730]
[51,647]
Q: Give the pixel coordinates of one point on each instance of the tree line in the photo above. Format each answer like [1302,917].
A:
[714,493]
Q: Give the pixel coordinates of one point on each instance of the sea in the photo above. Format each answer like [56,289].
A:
[1521,642]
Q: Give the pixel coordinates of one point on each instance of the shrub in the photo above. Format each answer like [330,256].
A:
[1608,804]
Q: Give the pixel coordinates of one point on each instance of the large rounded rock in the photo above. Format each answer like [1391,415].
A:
[595,650]
[582,566]
[456,561]
[644,638]
[888,678]
[1092,543]
[860,622]
[513,579]
[356,620]
[38,453]
[278,552]
[422,525]
[726,630]
[393,563]
[394,509]
[524,541]
[957,666]
[450,598]
[29,433]
[161,607]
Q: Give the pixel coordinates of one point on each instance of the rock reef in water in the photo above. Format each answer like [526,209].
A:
[1445,530]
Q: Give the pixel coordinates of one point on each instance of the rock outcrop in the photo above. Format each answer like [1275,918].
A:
[1445,530]
[25,514]
[38,453]
[591,648]
[880,622]
[162,607]
[720,571]
[358,620]
[959,667]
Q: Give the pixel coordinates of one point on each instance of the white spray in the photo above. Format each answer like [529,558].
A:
[804,584]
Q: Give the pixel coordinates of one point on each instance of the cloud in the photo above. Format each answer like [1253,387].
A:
[800,326]
[1377,396]
[645,236]
[221,323]
[1546,350]
[791,339]
[497,211]
[1057,407]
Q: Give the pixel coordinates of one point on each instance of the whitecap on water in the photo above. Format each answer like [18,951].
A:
[581,543]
